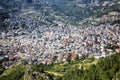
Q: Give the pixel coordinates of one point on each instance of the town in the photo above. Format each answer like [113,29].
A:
[49,45]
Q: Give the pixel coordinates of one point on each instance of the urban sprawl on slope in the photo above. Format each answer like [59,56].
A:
[58,44]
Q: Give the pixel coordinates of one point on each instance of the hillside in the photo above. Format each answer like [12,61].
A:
[59,12]
[60,40]
[103,69]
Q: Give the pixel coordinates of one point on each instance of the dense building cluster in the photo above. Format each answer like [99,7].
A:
[58,44]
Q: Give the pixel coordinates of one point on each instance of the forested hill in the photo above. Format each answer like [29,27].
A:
[104,69]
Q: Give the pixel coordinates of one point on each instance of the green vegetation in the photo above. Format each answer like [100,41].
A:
[89,69]
[105,69]
[2,69]
[14,73]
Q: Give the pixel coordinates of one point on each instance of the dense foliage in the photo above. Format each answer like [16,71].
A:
[106,69]
[16,74]
[2,69]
